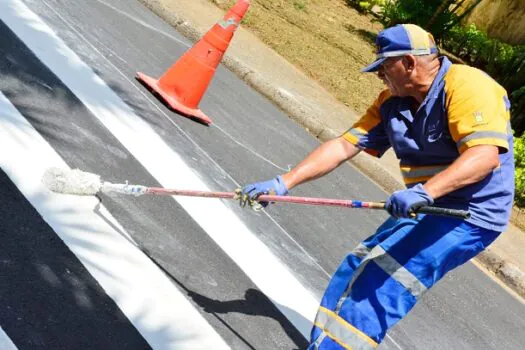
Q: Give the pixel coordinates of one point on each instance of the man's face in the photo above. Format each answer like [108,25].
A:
[394,74]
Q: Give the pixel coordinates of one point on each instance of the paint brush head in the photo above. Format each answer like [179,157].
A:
[74,182]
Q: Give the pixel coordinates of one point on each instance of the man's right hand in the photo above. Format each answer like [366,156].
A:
[251,192]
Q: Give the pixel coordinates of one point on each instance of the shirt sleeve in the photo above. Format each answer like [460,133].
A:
[369,133]
[477,109]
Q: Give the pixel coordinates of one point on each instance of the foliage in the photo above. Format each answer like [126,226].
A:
[519,159]
[475,47]
[504,62]
[519,155]
[517,110]
[365,6]
[436,16]
[299,5]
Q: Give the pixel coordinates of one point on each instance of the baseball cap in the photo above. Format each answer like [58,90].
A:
[400,40]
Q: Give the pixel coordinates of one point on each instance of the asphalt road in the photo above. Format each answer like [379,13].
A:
[52,299]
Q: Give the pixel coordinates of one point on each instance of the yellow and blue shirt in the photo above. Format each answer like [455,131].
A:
[464,108]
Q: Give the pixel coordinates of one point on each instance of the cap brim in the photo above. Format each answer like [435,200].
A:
[374,66]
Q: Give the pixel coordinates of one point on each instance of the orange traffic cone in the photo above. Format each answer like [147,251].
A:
[184,84]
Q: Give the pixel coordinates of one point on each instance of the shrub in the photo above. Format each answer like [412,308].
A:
[504,62]
[517,110]
[436,16]
[365,6]
[519,155]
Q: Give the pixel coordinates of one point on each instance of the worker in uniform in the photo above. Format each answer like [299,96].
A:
[448,125]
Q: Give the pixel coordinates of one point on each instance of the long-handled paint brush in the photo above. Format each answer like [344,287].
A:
[77,182]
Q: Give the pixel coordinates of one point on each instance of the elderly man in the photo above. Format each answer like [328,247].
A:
[449,126]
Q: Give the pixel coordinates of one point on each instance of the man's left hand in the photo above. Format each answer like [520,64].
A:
[406,202]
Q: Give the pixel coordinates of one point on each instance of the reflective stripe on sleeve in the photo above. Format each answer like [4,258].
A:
[340,331]
[350,137]
[482,135]
[356,132]
[354,135]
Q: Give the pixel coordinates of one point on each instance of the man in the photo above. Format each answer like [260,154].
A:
[449,126]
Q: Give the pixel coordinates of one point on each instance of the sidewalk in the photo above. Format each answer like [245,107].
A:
[322,115]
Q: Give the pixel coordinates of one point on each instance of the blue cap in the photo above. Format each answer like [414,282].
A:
[400,40]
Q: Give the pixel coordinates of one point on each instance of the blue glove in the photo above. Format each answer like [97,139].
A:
[251,192]
[406,202]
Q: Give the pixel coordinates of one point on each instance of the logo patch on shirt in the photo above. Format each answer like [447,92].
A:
[478,119]
[434,132]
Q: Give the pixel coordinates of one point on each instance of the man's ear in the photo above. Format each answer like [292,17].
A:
[409,61]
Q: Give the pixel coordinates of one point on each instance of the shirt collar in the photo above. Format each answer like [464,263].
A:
[437,84]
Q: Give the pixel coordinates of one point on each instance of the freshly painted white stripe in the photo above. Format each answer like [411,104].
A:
[152,303]
[221,224]
[5,341]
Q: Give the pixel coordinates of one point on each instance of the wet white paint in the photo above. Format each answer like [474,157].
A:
[5,341]
[221,224]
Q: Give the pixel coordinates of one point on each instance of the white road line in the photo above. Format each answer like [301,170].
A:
[221,224]
[5,342]
[161,313]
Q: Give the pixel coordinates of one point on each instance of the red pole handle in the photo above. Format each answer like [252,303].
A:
[346,203]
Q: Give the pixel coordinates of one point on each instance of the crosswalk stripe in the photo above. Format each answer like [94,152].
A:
[5,341]
[161,313]
[221,224]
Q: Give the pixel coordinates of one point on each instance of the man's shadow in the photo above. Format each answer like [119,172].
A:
[255,303]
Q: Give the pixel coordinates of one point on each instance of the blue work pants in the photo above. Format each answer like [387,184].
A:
[380,281]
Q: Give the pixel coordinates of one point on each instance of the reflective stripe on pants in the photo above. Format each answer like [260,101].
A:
[341,332]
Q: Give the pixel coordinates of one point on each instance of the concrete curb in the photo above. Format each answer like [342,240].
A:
[184,27]
[518,218]
[508,273]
